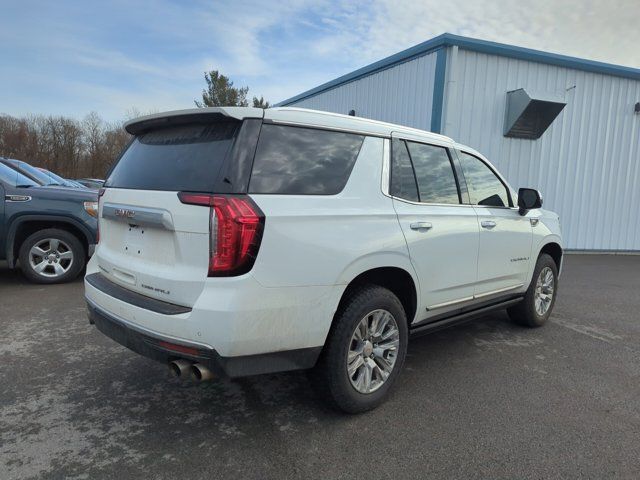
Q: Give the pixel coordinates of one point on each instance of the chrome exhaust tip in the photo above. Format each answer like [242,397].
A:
[179,368]
[201,373]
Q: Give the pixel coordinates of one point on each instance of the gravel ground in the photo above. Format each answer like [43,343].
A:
[484,400]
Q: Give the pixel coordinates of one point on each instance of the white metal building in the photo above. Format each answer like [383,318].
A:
[567,126]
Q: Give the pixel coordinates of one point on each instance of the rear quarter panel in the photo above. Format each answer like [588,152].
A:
[329,240]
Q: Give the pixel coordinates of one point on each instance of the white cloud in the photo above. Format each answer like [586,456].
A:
[605,31]
[152,54]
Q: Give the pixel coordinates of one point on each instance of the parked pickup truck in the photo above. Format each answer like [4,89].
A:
[49,231]
[239,241]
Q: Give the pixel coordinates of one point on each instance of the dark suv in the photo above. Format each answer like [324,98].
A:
[50,231]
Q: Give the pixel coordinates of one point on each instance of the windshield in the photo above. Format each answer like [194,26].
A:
[61,181]
[14,178]
[35,173]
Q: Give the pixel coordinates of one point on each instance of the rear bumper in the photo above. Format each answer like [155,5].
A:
[146,343]
[165,349]
[235,316]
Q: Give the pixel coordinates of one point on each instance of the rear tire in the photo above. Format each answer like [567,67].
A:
[51,256]
[540,297]
[364,352]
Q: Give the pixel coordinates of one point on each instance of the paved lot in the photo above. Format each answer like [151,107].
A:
[487,399]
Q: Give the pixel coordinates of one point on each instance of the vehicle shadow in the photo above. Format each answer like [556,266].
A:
[13,277]
[253,406]
[10,276]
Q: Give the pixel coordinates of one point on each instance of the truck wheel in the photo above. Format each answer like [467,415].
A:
[540,298]
[52,256]
[364,351]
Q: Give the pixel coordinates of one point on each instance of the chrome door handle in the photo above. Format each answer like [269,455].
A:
[421,226]
[488,224]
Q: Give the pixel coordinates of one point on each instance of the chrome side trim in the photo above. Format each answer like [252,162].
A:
[463,205]
[447,304]
[151,217]
[473,297]
[501,290]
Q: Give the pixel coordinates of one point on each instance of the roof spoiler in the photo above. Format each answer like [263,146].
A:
[194,115]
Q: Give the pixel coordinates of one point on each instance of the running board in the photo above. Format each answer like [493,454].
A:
[431,326]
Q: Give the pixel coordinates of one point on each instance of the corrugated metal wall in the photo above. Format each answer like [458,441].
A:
[587,164]
[401,94]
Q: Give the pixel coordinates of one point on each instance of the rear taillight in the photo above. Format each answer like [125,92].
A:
[235,229]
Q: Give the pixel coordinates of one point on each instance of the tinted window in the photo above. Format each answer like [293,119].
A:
[293,160]
[485,188]
[12,177]
[186,157]
[436,181]
[32,172]
[403,181]
[61,181]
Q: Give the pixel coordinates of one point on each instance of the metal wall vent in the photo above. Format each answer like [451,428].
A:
[529,117]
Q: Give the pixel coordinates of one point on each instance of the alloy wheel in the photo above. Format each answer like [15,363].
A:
[545,286]
[51,257]
[373,350]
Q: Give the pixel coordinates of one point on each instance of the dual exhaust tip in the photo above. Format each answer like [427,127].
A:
[197,371]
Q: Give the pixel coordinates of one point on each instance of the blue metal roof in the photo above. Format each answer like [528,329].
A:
[482,46]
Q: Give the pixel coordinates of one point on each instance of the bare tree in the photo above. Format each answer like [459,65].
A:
[64,145]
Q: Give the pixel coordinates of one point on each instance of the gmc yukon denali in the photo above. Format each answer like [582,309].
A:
[240,241]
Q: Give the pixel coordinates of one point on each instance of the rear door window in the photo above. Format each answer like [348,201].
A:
[180,158]
[303,161]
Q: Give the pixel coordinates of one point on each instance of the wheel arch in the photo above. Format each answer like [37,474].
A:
[396,279]
[554,250]
[26,225]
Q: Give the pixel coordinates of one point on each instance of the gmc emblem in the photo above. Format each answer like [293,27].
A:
[122,212]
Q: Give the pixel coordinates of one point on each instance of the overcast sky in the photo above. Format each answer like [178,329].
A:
[72,57]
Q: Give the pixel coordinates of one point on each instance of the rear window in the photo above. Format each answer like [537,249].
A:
[303,161]
[180,158]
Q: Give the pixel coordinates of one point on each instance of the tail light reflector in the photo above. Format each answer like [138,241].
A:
[179,348]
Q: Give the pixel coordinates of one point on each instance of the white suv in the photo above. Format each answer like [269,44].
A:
[240,241]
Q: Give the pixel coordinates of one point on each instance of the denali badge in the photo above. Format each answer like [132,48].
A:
[155,289]
[122,212]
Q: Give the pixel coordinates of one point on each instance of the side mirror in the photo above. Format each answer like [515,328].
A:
[528,199]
